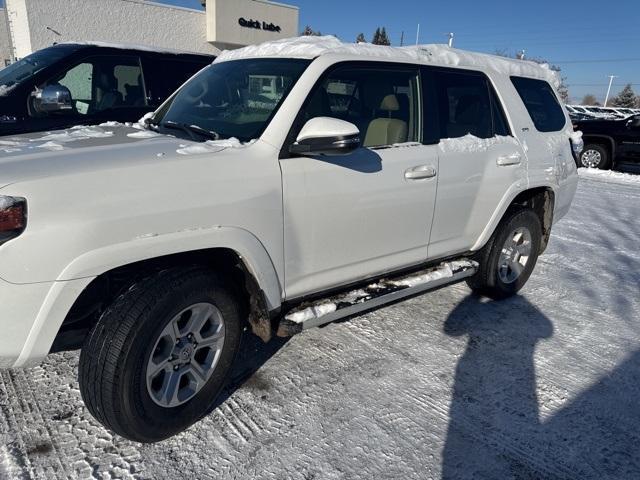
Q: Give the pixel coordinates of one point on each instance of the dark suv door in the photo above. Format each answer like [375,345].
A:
[629,140]
[103,87]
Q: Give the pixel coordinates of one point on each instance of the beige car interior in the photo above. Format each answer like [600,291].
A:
[386,130]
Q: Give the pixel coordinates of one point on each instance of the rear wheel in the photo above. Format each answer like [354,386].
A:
[506,262]
[158,357]
[595,156]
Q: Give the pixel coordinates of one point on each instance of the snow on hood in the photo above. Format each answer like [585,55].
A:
[6,90]
[312,47]
[212,146]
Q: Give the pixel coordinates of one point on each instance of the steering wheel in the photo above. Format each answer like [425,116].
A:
[196,90]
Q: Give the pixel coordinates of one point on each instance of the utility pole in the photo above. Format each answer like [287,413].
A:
[606,99]
[402,38]
[418,34]
[450,34]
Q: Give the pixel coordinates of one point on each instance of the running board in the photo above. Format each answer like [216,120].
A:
[386,290]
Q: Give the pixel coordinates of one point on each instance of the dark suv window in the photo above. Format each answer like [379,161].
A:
[164,76]
[383,101]
[467,104]
[541,102]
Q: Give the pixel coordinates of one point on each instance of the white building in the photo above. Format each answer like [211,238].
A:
[29,25]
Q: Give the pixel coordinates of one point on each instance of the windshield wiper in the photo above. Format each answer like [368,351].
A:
[191,129]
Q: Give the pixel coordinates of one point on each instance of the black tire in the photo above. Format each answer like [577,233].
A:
[605,157]
[114,357]
[487,281]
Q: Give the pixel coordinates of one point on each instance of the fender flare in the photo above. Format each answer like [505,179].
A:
[251,251]
[502,208]
[608,138]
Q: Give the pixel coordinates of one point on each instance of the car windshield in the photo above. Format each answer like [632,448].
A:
[232,99]
[32,64]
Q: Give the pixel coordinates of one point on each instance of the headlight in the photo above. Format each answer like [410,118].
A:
[13,217]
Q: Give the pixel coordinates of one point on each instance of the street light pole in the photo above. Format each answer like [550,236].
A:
[606,99]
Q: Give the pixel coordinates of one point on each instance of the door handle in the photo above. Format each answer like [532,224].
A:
[511,159]
[420,172]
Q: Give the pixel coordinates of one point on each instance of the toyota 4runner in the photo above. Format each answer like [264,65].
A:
[285,186]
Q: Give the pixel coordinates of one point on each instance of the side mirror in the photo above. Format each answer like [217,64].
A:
[633,122]
[52,98]
[326,136]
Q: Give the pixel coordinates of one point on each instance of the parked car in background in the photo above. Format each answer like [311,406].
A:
[89,83]
[283,187]
[610,143]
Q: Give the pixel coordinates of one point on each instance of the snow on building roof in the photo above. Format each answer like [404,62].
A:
[312,47]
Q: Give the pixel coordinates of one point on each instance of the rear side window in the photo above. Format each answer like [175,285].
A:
[467,104]
[541,102]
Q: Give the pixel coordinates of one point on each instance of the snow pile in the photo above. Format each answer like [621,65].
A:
[52,146]
[312,47]
[608,176]
[144,134]
[78,132]
[211,146]
[6,90]
[471,143]
[315,311]
[444,271]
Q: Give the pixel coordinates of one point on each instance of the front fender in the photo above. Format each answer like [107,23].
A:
[248,247]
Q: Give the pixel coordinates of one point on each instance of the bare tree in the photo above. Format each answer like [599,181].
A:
[589,99]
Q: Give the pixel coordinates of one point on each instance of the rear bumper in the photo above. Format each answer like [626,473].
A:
[30,317]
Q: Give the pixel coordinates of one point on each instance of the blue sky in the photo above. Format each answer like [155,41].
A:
[578,35]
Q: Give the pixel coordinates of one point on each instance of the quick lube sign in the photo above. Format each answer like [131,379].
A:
[270,27]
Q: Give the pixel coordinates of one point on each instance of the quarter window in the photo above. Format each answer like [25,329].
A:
[541,103]
[384,103]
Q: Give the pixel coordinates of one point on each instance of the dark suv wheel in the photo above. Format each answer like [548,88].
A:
[506,262]
[159,355]
[595,156]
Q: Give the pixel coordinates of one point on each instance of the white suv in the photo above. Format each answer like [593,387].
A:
[285,186]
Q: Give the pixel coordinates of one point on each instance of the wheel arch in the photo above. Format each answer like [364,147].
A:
[541,199]
[105,271]
[598,139]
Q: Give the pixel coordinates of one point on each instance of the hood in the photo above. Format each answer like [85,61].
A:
[82,148]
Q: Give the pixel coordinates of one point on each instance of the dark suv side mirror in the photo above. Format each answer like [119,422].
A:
[326,136]
[633,122]
[52,99]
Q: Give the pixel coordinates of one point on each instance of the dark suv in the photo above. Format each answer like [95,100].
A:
[80,84]
[610,143]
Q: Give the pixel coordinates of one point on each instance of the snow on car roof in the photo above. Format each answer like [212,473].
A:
[133,46]
[312,47]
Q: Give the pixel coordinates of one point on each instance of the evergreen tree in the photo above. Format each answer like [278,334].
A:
[360,38]
[376,37]
[626,98]
[308,31]
[384,39]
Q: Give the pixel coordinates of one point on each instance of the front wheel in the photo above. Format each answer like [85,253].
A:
[506,262]
[160,354]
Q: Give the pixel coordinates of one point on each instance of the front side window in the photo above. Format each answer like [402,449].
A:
[541,103]
[30,65]
[235,98]
[103,83]
[383,102]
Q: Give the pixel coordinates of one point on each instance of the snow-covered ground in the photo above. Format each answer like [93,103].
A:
[545,385]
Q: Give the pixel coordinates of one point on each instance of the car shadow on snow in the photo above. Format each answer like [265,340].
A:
[253,354]
[495,429]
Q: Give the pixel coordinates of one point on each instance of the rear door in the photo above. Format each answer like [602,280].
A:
[354,216]
[480,160]
[628,137]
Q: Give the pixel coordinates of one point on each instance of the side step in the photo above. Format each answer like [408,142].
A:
[387,290]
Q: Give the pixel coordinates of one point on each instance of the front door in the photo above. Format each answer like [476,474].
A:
[354,216]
